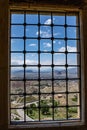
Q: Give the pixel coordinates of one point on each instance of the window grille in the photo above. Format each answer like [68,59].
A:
[45,67]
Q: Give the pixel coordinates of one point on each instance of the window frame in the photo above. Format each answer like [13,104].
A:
[56,123]
[47,52]
[4,118]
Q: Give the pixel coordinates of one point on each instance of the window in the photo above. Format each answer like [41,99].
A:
[45,67]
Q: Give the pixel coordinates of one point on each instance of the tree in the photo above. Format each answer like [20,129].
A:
[55,103]
[44,107]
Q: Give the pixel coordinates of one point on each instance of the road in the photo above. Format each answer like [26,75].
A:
[21,114]
[21,111]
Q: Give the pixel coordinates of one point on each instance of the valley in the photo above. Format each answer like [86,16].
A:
[44,99]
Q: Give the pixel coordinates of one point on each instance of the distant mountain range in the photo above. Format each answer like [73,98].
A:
[72,72]
[22,71]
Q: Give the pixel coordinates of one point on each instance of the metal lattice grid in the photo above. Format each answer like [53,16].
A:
[45,69]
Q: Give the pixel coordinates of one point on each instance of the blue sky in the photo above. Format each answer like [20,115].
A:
[45,44]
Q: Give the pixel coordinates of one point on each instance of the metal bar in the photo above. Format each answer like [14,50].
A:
[39,62]
[66,67]
[52,67]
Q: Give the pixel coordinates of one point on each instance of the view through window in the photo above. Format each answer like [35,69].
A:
[45,78]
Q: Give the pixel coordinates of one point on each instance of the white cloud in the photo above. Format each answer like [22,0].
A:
[16,62]
[59,42]
[32,44]
[56,34]
[61,49]
[45,34]
[31,62]
[20,62]
[48,21]
[47,44]
[69,48]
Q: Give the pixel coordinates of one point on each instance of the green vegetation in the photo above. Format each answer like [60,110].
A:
[59,113]
[46,102]
[16,118]
[56,103]
[28,99]
[75,99]
[72,110]
[44,107]
[46,111]
[32,112]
